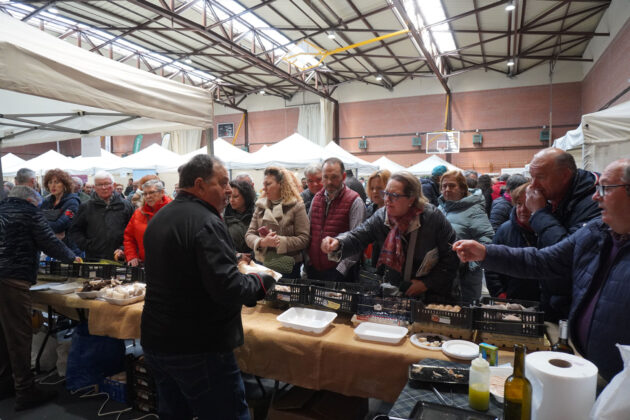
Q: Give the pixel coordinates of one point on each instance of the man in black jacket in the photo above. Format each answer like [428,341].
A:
[24,232]
[100,223]
[191,320]
[559,198]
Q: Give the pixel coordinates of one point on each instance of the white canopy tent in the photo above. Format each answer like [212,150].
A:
[10,160]
[426,166]
[90,165]
[41,163]
[385,163]
[602,137]
[69,90]
[349,160]
[154,157]
[294,151]
[225,151]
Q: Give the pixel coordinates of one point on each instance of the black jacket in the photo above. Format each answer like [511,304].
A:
[355,185]
[513,235]
[307,197]
[194,290]
[60,217]
[23,233]
[433,248]
[430,190]
[98,228]
[500,212]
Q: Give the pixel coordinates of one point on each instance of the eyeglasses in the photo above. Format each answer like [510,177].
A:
[103,185]
[392,196]
[601,189]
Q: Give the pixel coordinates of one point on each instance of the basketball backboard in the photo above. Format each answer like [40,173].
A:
[443,142]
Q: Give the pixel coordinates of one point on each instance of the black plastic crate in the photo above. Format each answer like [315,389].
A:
[532,323]
[338,296]
[58,268]
[387,309]
[289,292]
[127,273]
[460,319]
[96,270]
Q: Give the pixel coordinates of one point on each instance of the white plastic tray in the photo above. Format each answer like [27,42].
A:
[88,295]
[379,332]
[123,302]
[305,319]
[66,288]
[461,349]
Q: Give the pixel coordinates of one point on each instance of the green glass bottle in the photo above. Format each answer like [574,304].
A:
[517,403]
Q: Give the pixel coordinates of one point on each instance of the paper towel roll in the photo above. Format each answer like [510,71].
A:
[563,385]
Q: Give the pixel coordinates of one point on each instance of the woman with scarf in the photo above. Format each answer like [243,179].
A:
[415,240]
[280,229]
[154,199]
[238,213]
[516,233]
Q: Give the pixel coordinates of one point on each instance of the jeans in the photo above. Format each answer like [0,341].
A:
[206,385]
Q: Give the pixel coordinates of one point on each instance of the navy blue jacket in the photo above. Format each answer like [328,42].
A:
[514,235]
[500,212]
[572,265]
[430,190]
[60,217]
[23,233]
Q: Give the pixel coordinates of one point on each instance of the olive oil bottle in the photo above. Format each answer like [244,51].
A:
[518,390]
[563,342]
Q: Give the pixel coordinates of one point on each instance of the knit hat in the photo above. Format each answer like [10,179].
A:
[281,263]
[439,170]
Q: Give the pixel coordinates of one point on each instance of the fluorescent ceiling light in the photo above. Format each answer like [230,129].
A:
[262,91]
[511,6]
[331,34]
[510,62]
[379,77]
[53,10]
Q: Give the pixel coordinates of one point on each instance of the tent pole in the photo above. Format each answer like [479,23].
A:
[210,141]
[1,174]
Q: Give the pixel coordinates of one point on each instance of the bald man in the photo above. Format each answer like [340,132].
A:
[592,265]
[559,198]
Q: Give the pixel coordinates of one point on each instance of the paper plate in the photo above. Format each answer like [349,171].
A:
[461,349]
[123,302]
[415,340]
[93,294]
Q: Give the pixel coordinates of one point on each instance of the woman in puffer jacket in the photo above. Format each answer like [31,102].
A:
[280,227]
[468,216]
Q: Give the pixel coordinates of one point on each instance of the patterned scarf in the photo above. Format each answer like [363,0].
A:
[392,253]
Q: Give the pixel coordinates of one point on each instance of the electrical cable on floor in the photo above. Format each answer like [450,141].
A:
[146,415]
[41,381]
[94,393]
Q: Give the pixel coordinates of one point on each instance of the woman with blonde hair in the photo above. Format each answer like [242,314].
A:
[415,240]
[280,229]
[375,185]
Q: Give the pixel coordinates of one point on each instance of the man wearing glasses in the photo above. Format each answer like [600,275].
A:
[559,198]
[593,265]
[100,223]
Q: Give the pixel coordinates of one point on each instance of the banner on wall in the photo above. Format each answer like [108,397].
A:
[137,142]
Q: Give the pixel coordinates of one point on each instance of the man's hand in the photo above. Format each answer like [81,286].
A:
[329,245]
[417,288]
[468,250]
[271,240]
[133,262]
[534,200]
[246,258]
[119,255]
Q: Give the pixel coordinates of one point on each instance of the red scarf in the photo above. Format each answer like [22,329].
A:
[392,253]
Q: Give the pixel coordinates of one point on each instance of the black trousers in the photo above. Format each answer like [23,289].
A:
[16,335]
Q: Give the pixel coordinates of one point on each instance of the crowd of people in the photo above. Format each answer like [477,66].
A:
[560,238]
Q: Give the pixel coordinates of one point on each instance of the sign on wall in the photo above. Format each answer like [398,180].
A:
[225,129]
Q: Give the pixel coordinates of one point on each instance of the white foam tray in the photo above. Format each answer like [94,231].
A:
[305,319]
[372,331]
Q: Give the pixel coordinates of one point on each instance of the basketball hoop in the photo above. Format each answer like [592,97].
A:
[442,142]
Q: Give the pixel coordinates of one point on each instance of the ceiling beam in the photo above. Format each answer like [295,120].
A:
[416,36]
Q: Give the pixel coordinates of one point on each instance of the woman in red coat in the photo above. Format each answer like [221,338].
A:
[154,200]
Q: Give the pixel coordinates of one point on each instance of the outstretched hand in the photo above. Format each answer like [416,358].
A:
[329,245]
[469,251]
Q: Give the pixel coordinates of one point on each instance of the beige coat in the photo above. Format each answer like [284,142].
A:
[289,221]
